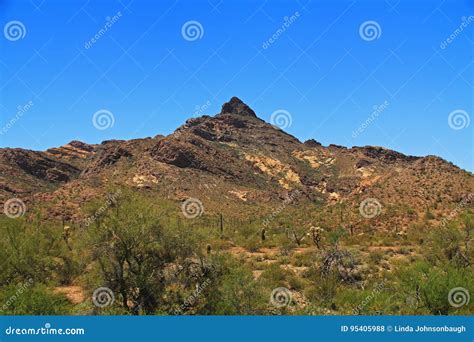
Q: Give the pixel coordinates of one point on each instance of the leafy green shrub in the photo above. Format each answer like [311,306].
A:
[430,285]
[132,250]
[31,250]
[232,291]
[24,299]
[274,276]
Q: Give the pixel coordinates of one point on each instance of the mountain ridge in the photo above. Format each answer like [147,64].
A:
[247,159]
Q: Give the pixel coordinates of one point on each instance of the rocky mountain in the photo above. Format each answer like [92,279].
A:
[240,165]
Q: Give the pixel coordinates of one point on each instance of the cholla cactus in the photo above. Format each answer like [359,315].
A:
[66,236]
[316,235]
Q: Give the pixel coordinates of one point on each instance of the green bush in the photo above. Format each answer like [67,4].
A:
[132,250]
[33,250]
[233,291]
[430,286]
[31,299]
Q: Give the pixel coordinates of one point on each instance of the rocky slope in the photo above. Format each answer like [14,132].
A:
[235,163]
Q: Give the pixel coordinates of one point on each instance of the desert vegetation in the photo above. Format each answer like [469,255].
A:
[139,255]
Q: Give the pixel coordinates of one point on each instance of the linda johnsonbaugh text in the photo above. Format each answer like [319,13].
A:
[404,328]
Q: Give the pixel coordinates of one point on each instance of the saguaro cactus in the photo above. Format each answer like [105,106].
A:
[221,224]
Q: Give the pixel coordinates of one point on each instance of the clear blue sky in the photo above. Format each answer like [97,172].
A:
[319,69]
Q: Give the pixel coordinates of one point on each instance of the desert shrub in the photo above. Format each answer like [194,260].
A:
[133,250]
[376,257]
[31,250]
[295,282]
[453,242]
[336,235]
[428,286]
[405,250]
[429,215]
[274,276]
[252,243]
[233,291]
[374,299]
[323,290]
[32,299]
[303,259]
[248,236]
[286,245]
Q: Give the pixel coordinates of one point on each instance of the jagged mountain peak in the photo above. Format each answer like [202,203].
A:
[239,159]
[238,107]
